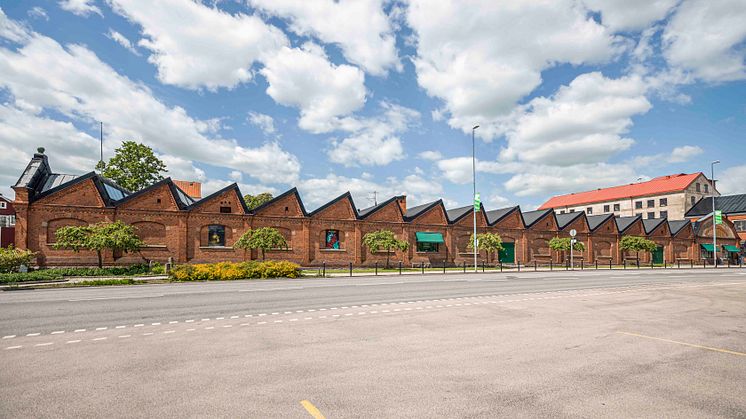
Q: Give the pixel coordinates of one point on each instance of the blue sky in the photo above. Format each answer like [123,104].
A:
[380,95]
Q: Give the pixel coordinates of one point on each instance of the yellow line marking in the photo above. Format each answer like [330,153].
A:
[709,348]
[311,409]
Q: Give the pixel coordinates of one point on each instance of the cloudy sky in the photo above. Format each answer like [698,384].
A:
[380,95]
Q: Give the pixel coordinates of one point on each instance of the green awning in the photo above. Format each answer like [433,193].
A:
[427,237]
[708,247]
[731,248]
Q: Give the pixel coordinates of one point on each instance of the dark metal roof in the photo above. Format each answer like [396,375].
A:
[531,217]
[496,215]
[55,179]
[456,214]
[677,225]
[595,221]
[370,210]
[651,224]
[728,204]
[623,223]
[415,212]
[35,173]
[563,220]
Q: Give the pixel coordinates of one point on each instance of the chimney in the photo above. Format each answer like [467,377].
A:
[402,201]
[193,189]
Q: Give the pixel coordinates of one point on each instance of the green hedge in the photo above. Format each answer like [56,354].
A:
[110,271]
[45,275]
[229,271]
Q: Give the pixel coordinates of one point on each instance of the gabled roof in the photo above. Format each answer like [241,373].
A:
[366,212]
[35,172]
[659,185]
[496,215]
[455,214]
[531,217]
[728,204]
[563,220]
[109,191]
[347,195]
[292,191]
[415,212]
[181,198]
[623,223]
[651,224]
[677,225]
[181,195]
[595,221]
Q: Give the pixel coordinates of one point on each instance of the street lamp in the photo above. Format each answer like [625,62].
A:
[474,184]
[714,226]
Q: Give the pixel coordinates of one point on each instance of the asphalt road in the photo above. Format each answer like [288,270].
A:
[611,344]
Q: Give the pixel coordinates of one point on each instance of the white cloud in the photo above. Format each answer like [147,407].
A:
[731,181]
[122,40]
[37,12]
[374,141]
[12,30]
[678,155]
[459,169]
[73,81]
[214,185]
[684,153]
[304,78]
[546,180]
[265,122]
[582,122]
[480,60]
[318,191]
[80,7]
[630,15]
[430,155]
[182,169]
[496,201]
[360,28]
[196,46]
[705,37]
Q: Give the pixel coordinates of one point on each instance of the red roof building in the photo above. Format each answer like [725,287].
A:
[664,196]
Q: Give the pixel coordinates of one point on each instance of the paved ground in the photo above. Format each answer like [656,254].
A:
[647,344]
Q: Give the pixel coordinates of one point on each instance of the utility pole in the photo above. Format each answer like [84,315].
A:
[474,177]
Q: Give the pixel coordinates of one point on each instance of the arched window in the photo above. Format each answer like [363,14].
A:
[216,236]
[331,239]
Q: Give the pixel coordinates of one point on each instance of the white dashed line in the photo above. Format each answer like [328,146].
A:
[155,324]
[173,322]
[148,334]
[73,341]
[9,337]
[139,325]
[14,347]
[189,321]
[33,334]
[44,344]
[101,328]
[57,332]
[168,331]
[101,338]
[120,327]
[125,336]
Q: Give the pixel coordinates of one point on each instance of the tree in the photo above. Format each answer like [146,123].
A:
[384,240]
[637,244]
[253,201]
[264,238]
[490,242]
[98,237]
[11,259]
[563,244]
[134,166]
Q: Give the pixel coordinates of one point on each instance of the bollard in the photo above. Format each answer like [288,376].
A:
[610,268]
[501,266]
[444,266]
[376,268]
[651,262]
[550,265]
[350,268]
[596,264]
[625,263]
[678,264]
[422,267]
[582,264]
[534,265]
[691,264]
[519,266]
[399,267]
[323,264]
[729,262]
[703,264]
[482,266]
[638,263]
[464,263]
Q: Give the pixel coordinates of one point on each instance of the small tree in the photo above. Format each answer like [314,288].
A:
[637,244]
[134,166]
[264,238]
[253,201]
[490,242]
[563,244]
[11,259]
[384,240]
[98,237]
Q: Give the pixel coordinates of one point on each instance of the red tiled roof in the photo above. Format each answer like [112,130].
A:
[193,189]
[659,185]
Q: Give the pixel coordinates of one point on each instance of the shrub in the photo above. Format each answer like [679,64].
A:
[99,282]
[11,258]
[110,271]
[226,271]
[157,269]
[46,275]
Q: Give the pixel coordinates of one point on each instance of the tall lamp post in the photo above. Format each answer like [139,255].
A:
[474,197]
[714,226]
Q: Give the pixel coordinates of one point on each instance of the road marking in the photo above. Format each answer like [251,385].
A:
[155,324]
[228,325]
[139,325]
[44,344]
[311,409]
[262,323]
[709,348]
[219,318]
[189,321]
[73,341]
[125,336]
[101,328]
[169,331]
[205,320]
[234,317]
[115,298]
[191,330]
[148,334]
[33,334]
[120,327]
[14,347]
[209,327]
[9,337]
[103,338]
[173,322]
[57,332]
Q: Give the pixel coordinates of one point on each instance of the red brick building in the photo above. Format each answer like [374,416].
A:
[733,208]
[174,225]
[7,222]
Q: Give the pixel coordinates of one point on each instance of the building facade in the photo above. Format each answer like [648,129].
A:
[175,226]
[733,208]
[662,197]
[7,222]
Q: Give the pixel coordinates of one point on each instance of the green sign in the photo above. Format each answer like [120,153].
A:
[718,217]
[477,202]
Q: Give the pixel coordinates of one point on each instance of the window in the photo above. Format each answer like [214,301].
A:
[589,210]
[607,208]
[617,207]
[562,212]
[693,201]
[225,210]
[427,247]
[740,225]
[331,239]
[572,210]
[707,188]
[216,236]
[4,221]
[158,200]
[3,205]
[651,203]
[699,189]
[651,215]
[664,214]
[638,205]
[663,202]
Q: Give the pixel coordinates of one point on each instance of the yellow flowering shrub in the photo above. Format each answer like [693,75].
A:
[226,271]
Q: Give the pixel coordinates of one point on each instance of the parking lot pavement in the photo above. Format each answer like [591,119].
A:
[657,350]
